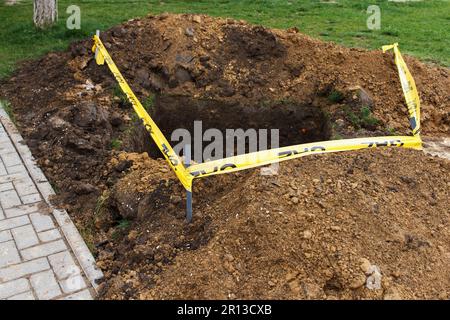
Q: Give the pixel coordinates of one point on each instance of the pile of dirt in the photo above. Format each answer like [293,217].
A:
[305,233]
[325,227]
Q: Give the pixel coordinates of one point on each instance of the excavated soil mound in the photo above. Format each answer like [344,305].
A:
[367,224]
[314,231]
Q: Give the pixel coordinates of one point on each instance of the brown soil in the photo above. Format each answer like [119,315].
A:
[309,232]
[302,234]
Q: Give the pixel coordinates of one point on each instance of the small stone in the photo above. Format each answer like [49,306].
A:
[357,282]
[229,267]
[230,21]
[189,32]
[197,19]
[365,98]
[307,234]
[116,119]
[443,296]
[312,290]
[57,123]
[84,188]
[336,228]
[291,276]
[374,280]
[163,16]
[295,286]
[132,235]
[392,294]
[182,75]
[294,200]
[386,283]
[142,77]
[119,32]
[364,264]
[228,257]
[123,165]
[396,274]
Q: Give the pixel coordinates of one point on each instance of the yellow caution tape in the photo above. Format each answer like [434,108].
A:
[102,55]
[266,157]
[409,89]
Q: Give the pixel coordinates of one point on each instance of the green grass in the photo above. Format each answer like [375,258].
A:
[123,99]
[116,144]
[8,109]
[421,28]
[121,228]
[362,119]
[148,103]
[88,232]
[100,204]
[124,224]
[336,96]
[391,131]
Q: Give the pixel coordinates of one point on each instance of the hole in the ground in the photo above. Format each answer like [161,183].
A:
[296,123]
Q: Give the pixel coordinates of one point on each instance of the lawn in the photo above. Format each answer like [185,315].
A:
[422,28]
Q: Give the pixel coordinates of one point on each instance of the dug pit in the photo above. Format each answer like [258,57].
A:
[295,123]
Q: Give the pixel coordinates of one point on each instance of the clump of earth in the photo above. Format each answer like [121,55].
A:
[353,225]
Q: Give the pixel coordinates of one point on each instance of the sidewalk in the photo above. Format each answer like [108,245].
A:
[42,255]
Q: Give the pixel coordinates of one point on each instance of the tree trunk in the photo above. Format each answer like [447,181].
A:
[45,13]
